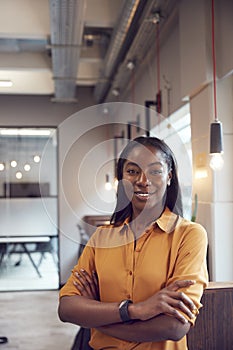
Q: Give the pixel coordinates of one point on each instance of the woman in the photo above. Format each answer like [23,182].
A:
[139,281]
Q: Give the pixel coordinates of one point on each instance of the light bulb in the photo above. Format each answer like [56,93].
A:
[19,175]
[27,167]
[108,186]
[13,163]
[36,159]
[2,166]
[216,161]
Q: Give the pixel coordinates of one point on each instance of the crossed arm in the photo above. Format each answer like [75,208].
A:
[156,319]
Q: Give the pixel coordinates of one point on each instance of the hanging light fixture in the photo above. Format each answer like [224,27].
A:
[216,144]
[108,185]
[159,93]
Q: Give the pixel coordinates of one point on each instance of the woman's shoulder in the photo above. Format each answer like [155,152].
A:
[190,227]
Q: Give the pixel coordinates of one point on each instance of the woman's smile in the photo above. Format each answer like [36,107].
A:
[144,195]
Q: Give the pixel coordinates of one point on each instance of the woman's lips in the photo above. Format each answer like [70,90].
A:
[143,195]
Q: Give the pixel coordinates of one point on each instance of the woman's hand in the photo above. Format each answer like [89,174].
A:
[167,301]
[87,284]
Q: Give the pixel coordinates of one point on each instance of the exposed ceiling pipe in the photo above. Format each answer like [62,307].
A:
[143,41]
[66,18]
[118,40]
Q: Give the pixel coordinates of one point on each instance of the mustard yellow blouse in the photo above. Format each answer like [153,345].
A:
[172,248]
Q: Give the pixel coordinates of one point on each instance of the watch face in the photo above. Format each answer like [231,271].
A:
[123,309]
[123,303]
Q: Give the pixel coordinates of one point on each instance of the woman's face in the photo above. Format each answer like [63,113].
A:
[145,178]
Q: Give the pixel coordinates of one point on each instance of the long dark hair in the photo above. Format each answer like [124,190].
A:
[173,201]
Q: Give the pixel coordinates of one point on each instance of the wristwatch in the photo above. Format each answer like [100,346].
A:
[123,309]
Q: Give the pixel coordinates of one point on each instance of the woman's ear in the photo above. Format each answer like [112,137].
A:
[169,178]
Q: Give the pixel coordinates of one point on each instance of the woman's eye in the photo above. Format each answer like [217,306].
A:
[156,172]
[132,171]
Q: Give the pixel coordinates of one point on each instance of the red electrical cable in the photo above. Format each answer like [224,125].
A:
[132,86]
[214,64]
[158,57]
[133,91]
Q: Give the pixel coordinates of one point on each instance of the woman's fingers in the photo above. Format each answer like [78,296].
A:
[183,304]
[180,296]
[172,301]
[169,300]
[175,313]
[87,285]
[82,285]
[180,284]
[185,300]
[96,284]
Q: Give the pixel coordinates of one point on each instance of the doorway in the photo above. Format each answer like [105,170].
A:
[28,209]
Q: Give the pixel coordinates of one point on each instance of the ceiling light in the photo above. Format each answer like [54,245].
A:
[2,166]
[36,159]
[25,132]
[216,147]
[108,185]
[19,175]
[130,65]
[13,163]
[115,92]
[6,83]
[154,18]
[27,167]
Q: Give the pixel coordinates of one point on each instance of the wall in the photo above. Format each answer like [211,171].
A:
[186,63]
[30,110]
[40,111]
[83,163]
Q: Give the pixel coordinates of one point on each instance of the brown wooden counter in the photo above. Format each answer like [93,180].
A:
[214,326]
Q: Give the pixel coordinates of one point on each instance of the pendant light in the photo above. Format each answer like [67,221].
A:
[216,144]
[108,185]
[159,94]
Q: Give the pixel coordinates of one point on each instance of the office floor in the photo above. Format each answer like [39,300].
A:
[29,320]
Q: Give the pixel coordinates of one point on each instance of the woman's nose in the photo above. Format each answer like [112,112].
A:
[143,179]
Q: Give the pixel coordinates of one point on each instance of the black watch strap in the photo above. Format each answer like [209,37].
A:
[123,309]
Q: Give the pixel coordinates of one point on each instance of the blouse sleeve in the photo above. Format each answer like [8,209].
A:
[189,261]
[87,262]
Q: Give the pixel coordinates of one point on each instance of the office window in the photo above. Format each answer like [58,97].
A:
[176,132]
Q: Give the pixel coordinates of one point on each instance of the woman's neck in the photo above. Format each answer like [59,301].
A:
[140,221]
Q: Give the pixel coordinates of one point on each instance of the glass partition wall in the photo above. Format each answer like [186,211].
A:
[28,209]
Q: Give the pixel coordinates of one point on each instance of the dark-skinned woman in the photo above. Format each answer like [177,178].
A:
[139,281]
